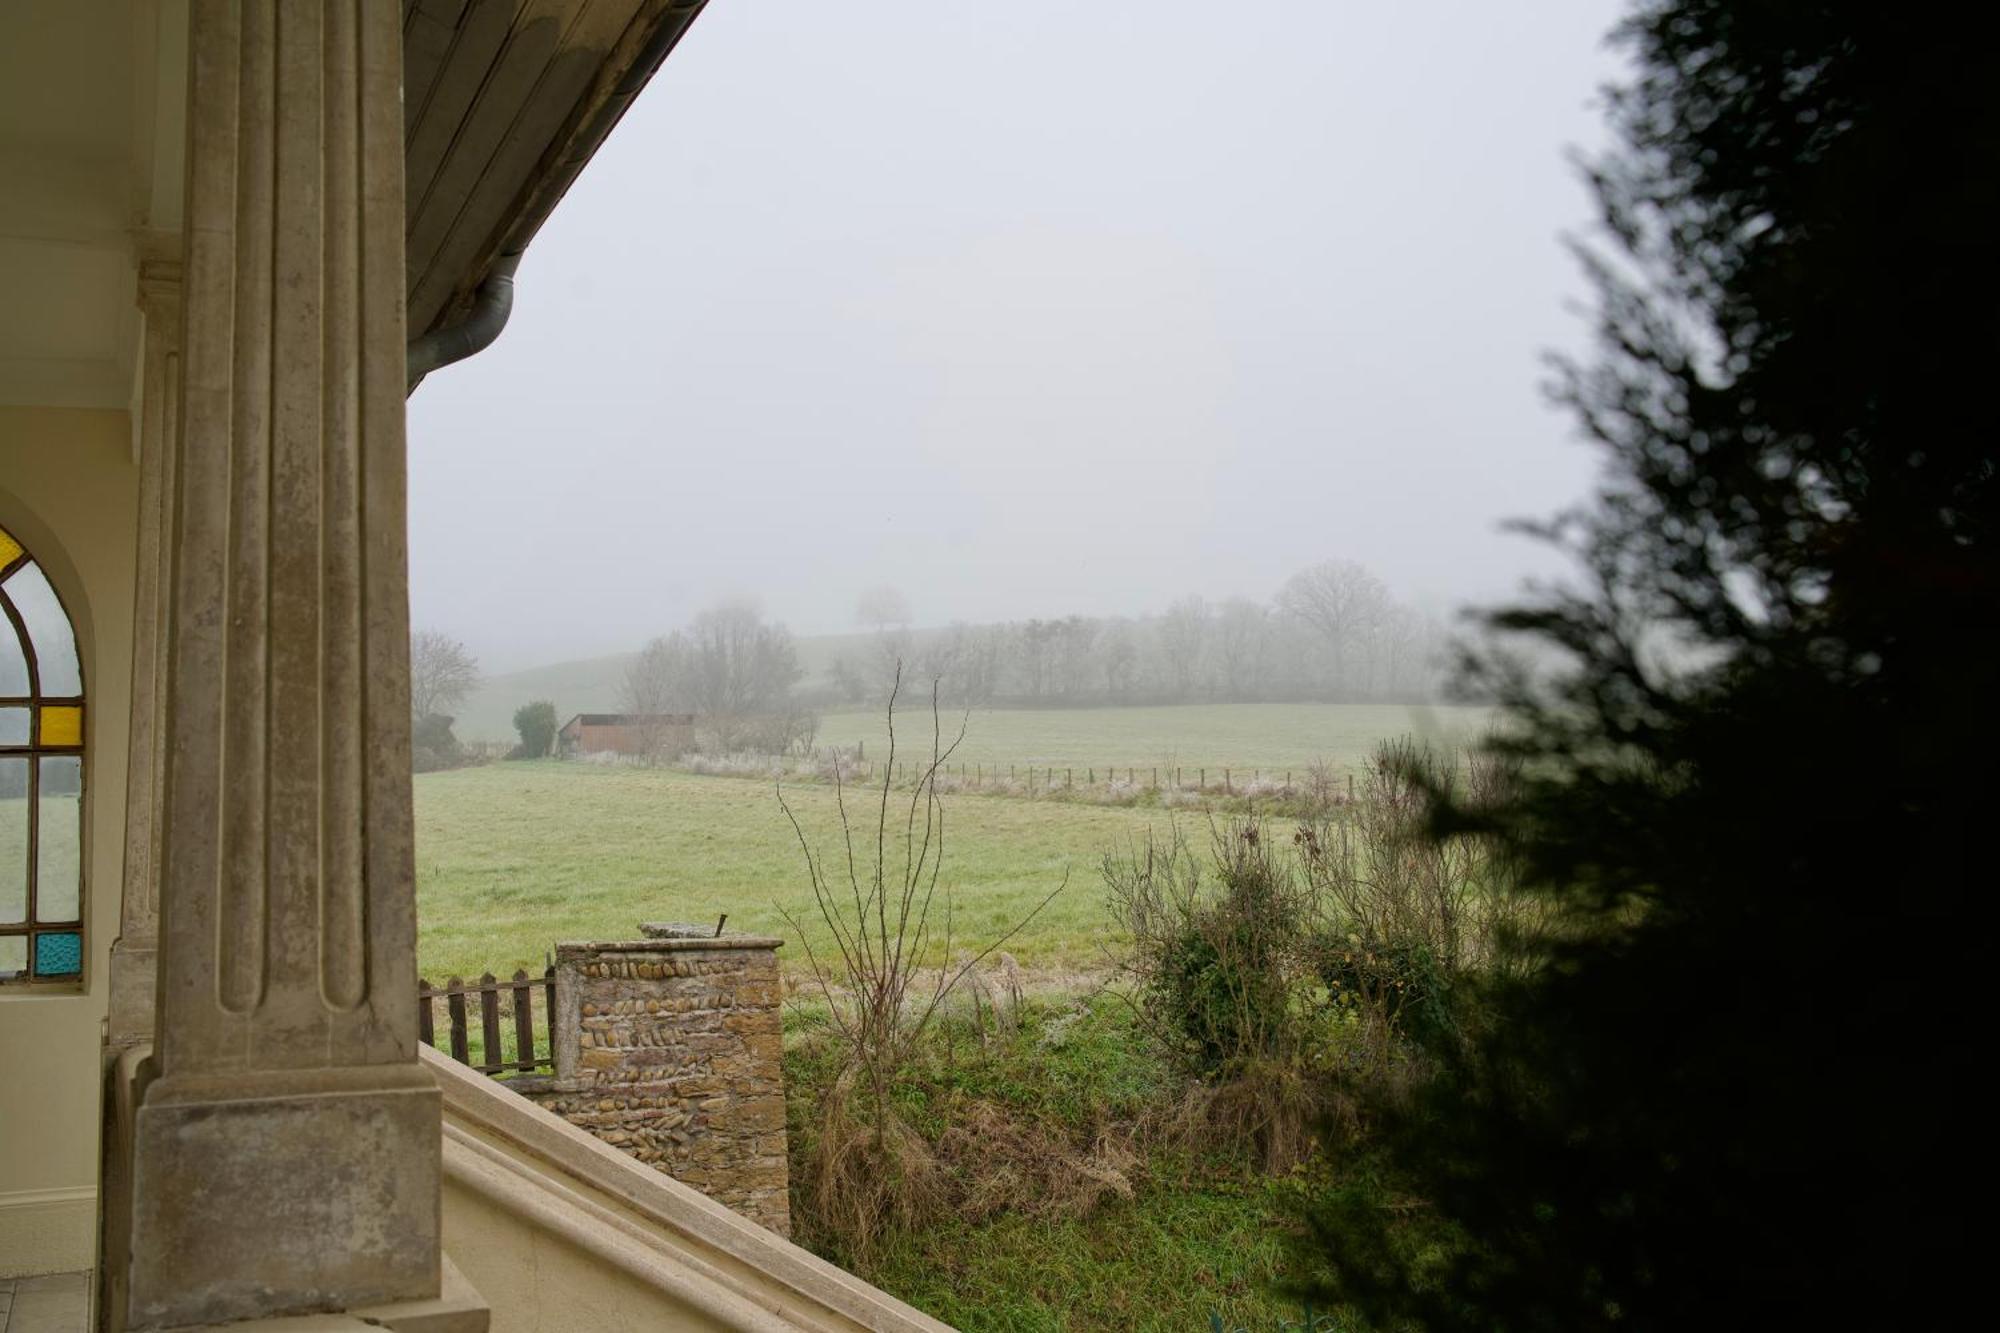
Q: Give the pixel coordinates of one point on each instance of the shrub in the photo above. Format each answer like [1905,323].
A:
[536,723]
[882,986]
[1222,951]
[1294,978]
[432,745]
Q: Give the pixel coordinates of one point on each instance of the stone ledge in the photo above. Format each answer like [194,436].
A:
[539,1168]
[672,943]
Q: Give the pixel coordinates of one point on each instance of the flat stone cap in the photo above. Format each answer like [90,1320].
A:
[681,930]
[668,936]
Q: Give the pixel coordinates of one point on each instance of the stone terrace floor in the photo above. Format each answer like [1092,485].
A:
[58,1303]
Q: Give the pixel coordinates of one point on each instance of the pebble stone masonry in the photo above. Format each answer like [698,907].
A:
[669,1048]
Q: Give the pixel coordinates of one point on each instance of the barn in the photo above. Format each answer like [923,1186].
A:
[626,733]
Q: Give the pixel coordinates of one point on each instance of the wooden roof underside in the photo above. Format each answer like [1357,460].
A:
[503,102]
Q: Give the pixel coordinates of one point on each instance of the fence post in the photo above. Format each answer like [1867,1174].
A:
[1090,780]
[454,1008]
[1201,779]
[1069,777]
[426,1032]
[524,1020]
[549,1009]
[1225,783]
[489,1022]
[1350,788]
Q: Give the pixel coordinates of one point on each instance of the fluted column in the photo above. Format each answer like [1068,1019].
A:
[133,953]
[287,1150]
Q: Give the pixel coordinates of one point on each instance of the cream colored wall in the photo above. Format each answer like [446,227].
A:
[69,492]
[537,1278]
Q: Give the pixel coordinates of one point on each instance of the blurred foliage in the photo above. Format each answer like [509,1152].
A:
[1712,1101]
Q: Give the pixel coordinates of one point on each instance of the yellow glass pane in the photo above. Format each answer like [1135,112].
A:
[62,725]
[9,548]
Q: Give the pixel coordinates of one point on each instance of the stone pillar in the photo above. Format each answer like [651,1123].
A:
[128,1023]
[286,1149]
[671,1048]
[133,954]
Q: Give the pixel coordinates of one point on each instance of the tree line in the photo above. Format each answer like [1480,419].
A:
[1332,633]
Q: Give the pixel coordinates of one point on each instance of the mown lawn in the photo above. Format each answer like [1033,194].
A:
[1271,738]
[513,857]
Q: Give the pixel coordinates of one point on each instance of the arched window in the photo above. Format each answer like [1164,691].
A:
[41,777]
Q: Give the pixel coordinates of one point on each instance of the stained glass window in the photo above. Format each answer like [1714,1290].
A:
[41,777]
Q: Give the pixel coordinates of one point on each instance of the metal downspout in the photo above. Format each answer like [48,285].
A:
[475,333]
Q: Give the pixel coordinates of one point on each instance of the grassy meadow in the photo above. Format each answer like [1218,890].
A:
[1271,738]
[512,857]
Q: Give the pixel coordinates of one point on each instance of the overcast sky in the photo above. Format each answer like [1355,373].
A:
[1028,309]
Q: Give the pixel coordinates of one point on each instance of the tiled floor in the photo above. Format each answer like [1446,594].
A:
[58,1303]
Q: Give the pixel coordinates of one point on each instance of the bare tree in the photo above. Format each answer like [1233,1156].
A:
[650,694]
[1184,640]
[882,606]
[1118,659]
[883,975]
[1240,648]
[442,673]
[729,668]
[1345,605]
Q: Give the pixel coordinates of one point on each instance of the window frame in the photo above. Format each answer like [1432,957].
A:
[34,751]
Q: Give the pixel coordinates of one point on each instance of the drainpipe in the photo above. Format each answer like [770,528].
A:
[476,332]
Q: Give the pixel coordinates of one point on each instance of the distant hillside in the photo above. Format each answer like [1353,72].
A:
[591,684]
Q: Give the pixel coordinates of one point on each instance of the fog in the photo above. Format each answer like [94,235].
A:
[1028,310]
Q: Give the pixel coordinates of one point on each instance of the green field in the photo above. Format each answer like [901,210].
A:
[1271,738]
[514,857]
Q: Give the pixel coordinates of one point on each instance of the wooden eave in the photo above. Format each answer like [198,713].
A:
[504,101]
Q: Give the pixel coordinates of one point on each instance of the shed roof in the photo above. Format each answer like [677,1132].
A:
[629,720]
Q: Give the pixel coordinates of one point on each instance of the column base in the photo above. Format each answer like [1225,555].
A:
[268,1194]
[457,1310]
[134,978]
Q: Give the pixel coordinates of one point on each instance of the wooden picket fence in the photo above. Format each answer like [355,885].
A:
[489,989]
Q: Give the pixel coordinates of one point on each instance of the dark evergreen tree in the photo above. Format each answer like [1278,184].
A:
[1732,1095]
[536,724]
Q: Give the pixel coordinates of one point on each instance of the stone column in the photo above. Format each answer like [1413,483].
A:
[128,1023]
[133,953]
[286,1152]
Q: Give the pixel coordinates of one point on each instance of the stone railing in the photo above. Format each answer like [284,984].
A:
[559,1232]
[669,1048]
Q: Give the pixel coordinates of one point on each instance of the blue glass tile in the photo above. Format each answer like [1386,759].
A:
[58,954]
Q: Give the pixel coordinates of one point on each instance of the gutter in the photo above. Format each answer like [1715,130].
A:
[494,301]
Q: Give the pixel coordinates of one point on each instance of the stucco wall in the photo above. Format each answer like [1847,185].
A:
[69,492]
